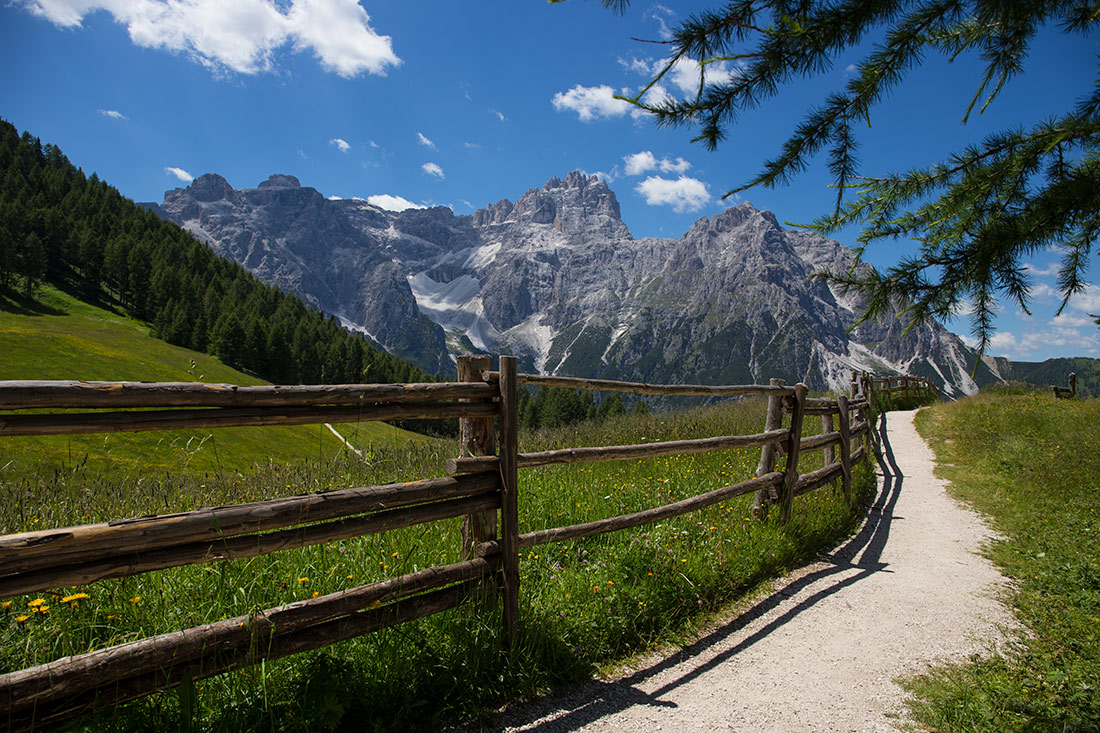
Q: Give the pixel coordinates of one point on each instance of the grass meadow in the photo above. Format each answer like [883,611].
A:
[1031,463]
[584,604]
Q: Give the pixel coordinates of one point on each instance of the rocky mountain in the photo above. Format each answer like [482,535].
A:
[557,279]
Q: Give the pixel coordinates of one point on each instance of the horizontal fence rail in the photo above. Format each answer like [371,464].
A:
[483,489]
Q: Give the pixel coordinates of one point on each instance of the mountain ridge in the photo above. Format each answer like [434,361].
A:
[557,278]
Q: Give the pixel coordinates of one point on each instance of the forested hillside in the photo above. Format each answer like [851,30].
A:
[61,227]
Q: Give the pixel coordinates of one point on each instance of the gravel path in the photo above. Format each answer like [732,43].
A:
[821,651]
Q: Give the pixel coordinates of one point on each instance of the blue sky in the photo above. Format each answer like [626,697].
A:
[463,104]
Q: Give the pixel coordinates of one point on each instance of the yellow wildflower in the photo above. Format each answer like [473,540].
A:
[21,619]
[75,597]
[303,579]
[36,603]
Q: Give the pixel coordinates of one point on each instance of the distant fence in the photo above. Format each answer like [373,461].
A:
[1070,391]
[483,488]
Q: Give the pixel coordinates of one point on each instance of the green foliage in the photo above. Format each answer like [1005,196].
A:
[975,214]
[1031,463]
[60,227]
[584,603]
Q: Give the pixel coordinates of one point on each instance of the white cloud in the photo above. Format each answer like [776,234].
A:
[335,198]
[851,69]
[1051,269]
[114,114]
[433,170]
[341,144]
[372,143]
[179,173]
[1069,320]
[591,103]
[392,203]
[661,15]
[1087,301]
[243,35]
[500,115]
[639,163]
[471,146]
[683,195]
[425,141]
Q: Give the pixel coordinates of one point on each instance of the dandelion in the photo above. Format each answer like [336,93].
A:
[6,604]
[42,609]
[75,597]
[315,594]
[303,579]
[21,619]
[36,603]
[135,600]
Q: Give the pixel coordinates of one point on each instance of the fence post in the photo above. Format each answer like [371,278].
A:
[794,444]
[1073,384]
[764,498]
[475,438]
[830,452]
[509,496]
[845,445]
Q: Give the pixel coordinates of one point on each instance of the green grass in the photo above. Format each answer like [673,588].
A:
[584,604]
[61,337]
[1032,463]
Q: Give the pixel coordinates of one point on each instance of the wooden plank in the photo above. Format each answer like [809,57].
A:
[648,516]
[225,417]
[690,390]
[34,394]
[619,452]
[44,548]
[845,447]
[475,438]
[820,441]
[794,444]
[807,482]
[281,645]
[509,496]
[239,547]
[773,421]
[830,448]
[71,676]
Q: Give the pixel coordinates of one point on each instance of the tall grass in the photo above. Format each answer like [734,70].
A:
[583,603]
[1032,463]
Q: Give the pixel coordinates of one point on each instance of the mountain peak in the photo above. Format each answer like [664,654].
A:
[210,187]
[280,180]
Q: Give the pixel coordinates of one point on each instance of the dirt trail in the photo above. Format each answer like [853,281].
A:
[821,651]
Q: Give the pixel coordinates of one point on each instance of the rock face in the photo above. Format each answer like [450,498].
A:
[557,279]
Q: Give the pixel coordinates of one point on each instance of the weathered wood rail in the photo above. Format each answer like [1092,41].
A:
[1070,391]
[483,488]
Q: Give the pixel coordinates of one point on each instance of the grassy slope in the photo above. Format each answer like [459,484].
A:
[61,337]
[1032,464]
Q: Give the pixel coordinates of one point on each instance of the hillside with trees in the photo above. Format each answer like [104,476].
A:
[76,232]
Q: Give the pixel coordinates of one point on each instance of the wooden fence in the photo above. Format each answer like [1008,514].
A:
[482,488]
[1070,391]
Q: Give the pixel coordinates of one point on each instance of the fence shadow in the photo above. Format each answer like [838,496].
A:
[863,553]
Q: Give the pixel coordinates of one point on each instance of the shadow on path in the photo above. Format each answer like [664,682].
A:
[863,552]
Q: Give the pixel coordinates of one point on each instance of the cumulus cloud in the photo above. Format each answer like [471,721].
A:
[1087,301]
[1051,269]
[179,173]
[683,194]
[640,163]
[425,141]
[392,203]
[341,144]
[591,103]
[114,114]
[432,170]
[243,35]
